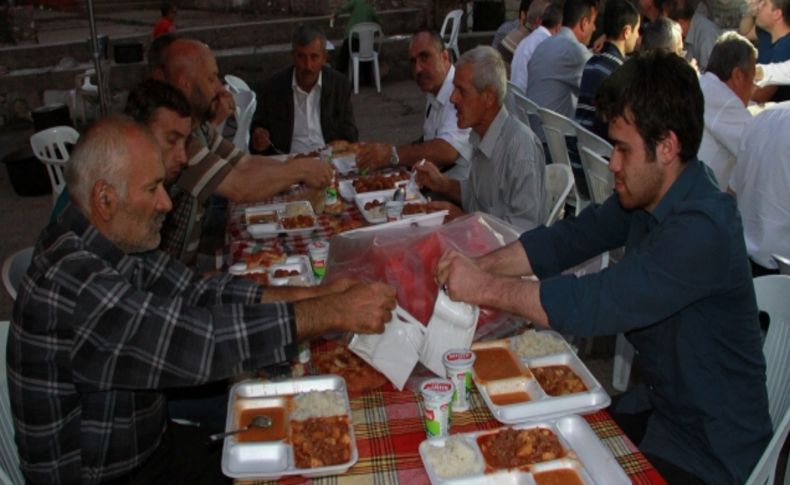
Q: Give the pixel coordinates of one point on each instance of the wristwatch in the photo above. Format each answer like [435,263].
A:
[394,158]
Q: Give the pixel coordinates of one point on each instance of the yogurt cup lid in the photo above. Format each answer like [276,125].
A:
[318,245]
[459,358]
[437,390]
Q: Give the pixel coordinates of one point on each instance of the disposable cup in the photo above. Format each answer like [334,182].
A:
[458,366]
[394,210]
[437,396]
[319,252]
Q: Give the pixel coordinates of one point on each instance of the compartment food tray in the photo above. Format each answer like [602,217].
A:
[379,216]
[541,405]
[274,459]
[586,455]
[284,209]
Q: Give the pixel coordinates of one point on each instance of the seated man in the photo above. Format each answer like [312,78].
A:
[662,34]
[698,31]
[104,323]
[773,44]
[727,87]
[306,105]
[760,180]
[550,14]
[621,27]
[526,23]
[506,175]
[215,165]
[442,142]
[683,292]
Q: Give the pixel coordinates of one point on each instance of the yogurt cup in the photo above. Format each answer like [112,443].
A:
[437,396]
[394,210]
[319,251]
[458,367]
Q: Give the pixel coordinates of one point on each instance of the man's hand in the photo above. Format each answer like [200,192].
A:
[313,172]
[464,280]
[374,156]
[260,139]
[597,45]
[365,307]
[222,107]
[453,211]
[429,176]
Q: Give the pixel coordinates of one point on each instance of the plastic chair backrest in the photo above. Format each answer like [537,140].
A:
[453,21]
[510,102]
[600,180]
[559,182]
[529,110]
[586,138]
[556,127]
[246,103]
[764,472]
[369,35]
[236,84]
[49,146]
[9,457]
[783,263]
[14,268]
[772,297]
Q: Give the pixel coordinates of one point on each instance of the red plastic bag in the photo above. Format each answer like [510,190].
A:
[406,257]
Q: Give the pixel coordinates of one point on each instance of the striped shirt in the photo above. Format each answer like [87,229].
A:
[598,68]
[97,334]
[211,158]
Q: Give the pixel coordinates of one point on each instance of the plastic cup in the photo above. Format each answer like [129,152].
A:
[319,252]
[394,209]
[437,396]
[458,367]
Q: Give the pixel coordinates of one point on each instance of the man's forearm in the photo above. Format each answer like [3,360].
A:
[510,260]
[438,151]
[517,296]
[761,95]
[256,178]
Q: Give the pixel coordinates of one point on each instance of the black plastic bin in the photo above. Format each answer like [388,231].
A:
[27,174]
[487,15]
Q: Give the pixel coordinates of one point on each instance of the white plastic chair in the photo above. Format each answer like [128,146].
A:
[246,103]
[9,457]
[600,180]
[14,268]
[510,101]
[49,146]
[370,36]
[783,262]
[452,21]
[556,127]
[529,115]
[764,472]
[236,84]
[588,139]
[559,182]
[772,293]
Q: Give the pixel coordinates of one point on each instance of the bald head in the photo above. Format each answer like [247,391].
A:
[190,66]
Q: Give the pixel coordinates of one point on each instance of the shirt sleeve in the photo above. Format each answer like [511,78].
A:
[176,329]
[776,73]
[730,124]
[681,261]
[209,164]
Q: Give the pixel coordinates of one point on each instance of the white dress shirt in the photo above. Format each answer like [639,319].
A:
[518,68]
[441,122]
[776,73]
[726,119]
[307,134]
[761,179]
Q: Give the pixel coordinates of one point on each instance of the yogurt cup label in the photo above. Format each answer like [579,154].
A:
[437,395]
[458,368]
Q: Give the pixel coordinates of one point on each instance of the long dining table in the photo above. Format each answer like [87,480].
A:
[388,423]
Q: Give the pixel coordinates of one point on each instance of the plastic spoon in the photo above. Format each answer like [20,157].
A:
[256,422]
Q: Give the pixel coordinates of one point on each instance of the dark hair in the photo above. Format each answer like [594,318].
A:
[524,6]
[152,94]
[731,50]
[658,92]
[617,14]
[157,49]
[678,9]
[575,10]
[306,34]
[660,34]
[436,39]
[784,5]
[166,8]
[552,16]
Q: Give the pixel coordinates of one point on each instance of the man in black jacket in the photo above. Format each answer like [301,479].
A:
[306,105]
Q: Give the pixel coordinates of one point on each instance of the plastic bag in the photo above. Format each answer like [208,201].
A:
[406,257]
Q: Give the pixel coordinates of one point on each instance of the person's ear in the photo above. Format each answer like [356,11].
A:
[104,200]
[668,149]
[626,32]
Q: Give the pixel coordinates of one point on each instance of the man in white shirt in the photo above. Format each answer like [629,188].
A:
[442,142]
[760,182]
[550,14]
[306,105]
[727,87]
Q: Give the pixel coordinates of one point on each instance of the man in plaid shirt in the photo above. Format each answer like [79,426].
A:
[103,323]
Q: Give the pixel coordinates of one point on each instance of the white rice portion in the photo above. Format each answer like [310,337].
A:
[456,458]
[537,344]
[318,404]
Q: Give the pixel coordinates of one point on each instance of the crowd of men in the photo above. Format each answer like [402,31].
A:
[113,313]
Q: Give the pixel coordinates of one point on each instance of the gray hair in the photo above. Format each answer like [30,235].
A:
[661,34]
[731,50]
[489,70]
[306,34]
[102,153]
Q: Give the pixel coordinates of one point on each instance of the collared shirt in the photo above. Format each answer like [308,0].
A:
[441,122]
[97,334]
[508,45]
[701,38]
[555,72]
[518,69]
[307,135]
[760,179]
[211,158]
[778,73]
[683,292]
[598,68]
[506,174]
[769,52]
[502,32]
[726,120]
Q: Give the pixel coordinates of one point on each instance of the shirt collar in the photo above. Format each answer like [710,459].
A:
[567,33]
[680,189]
[612,50]
[443,97]
[73,220]
[296,87]
[487,144]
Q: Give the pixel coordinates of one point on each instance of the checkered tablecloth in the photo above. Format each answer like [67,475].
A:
[388,426]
